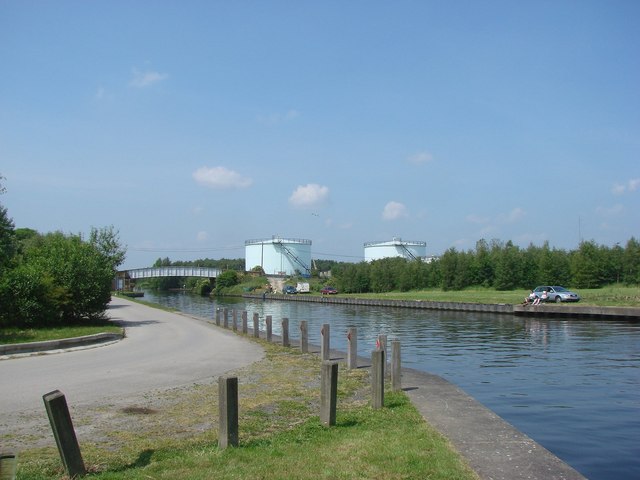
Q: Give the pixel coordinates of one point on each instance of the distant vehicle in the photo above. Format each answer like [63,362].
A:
[302,287]
[289,289]
[557,294]
[328,291]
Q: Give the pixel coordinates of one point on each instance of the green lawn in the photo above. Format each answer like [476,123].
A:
[608,296]
[25,335]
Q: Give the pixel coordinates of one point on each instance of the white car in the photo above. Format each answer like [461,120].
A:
[557,294]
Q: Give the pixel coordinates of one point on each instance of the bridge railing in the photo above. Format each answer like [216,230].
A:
[173,271]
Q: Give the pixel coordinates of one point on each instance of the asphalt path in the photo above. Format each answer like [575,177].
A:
[161,350]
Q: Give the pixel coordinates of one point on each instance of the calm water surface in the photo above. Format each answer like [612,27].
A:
[571,385]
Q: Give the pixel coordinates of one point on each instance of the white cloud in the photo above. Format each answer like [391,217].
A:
[631,186]
[420,158]
[146,79]
[220,177]
[618,189]
[394,210]
[202,236]
[309,195]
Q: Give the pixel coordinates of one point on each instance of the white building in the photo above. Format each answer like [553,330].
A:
[279,256]
[395,248]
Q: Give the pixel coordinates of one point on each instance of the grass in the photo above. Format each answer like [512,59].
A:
[618,296]
[24,335]
[174,434]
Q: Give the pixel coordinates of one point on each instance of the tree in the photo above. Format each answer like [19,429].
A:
[227,279]
[508,268]
[585,269]
[7,235]
[631,261]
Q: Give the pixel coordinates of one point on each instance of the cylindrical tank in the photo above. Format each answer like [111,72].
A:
[395,248]
[279,256]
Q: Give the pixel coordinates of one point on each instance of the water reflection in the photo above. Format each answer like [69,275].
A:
[572,385]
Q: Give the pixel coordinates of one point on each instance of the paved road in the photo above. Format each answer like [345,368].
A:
[161,350]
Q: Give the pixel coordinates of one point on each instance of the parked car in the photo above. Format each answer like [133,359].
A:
[557,294]
[328,291]
[289,289]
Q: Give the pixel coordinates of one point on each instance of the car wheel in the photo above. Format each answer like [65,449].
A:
[558,299]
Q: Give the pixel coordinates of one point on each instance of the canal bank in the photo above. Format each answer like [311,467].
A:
[542,310]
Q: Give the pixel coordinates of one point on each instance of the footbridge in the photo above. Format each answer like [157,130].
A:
[124,277]
[155,272]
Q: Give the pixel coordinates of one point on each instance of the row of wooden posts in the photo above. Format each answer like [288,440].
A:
[228,429]
[228,390]
[222,319]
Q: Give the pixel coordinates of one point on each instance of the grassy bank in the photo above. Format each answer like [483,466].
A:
[25,335]
[173,434]
[612,296]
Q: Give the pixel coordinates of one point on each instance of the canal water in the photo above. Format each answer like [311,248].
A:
[571,385]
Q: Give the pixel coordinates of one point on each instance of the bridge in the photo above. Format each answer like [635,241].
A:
[124,277]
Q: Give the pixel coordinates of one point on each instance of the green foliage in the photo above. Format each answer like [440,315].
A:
[503,266]
[7,239]
[227,279]
[57,278]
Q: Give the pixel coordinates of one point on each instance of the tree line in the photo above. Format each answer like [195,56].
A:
[503,266]
[55,278]
[494,264]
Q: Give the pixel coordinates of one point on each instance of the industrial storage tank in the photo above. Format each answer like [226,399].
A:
[395,248]
[279,256]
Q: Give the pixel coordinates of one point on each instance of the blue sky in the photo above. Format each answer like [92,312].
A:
[194,126]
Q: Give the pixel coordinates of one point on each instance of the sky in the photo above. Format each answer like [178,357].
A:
[191,127]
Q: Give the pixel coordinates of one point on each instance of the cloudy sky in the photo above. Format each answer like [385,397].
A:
[194,126]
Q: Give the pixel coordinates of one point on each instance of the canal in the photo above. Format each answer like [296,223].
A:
[571,385]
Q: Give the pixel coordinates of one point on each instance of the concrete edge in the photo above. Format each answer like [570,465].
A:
[494,449]
[64,343]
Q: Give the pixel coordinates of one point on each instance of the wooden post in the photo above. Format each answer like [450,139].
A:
[65,435]
[304,336]
[234,320]
[267,322]
[326,334]
[8,466]
[377,378]
[328,393]
[285,332]
[381,344]
[218,316]
[245,327]
[225,317]
[352,348]
[396,366]
[256,325]
[228,412]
